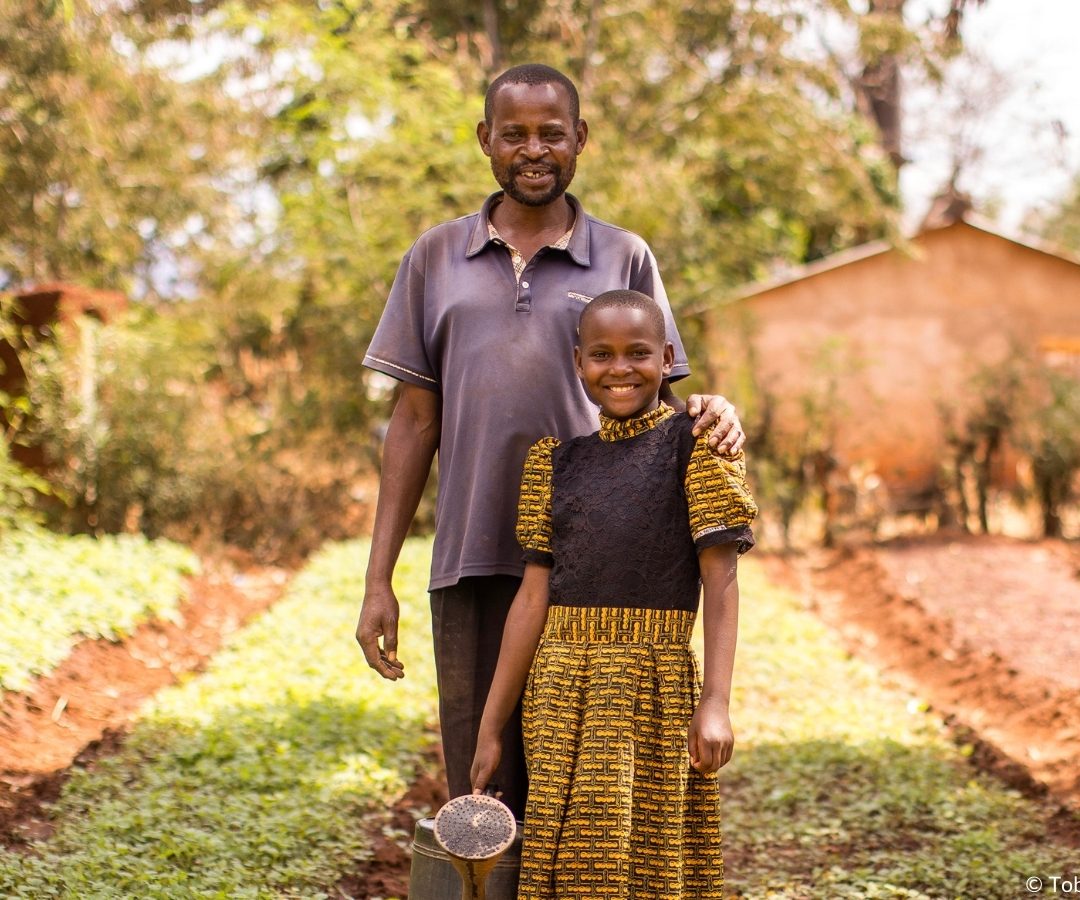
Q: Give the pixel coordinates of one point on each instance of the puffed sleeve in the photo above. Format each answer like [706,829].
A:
[721,507]
[534,503]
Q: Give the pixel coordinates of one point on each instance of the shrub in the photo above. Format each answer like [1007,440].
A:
[147,429]
[1051,438]
[19,491]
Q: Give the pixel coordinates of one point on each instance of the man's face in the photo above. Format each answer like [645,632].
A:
[532,142]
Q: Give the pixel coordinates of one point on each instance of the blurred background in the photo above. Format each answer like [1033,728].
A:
[867,215]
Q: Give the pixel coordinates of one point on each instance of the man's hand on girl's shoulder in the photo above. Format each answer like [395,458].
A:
[713,410]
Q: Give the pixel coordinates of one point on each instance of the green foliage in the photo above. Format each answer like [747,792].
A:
[732,175]
[19,487]
[1061,225]
[727,152]
[118,411]
[106,160]
[714,134]
[147,428]
[260,777]
[368,140]
[19,490]
[273,162]
[55,590]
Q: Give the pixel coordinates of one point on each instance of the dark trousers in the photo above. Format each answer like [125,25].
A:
[467,625]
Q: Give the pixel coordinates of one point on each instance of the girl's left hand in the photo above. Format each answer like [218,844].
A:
[710,739]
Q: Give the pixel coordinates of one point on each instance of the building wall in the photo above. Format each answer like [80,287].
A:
[907,327]
[46,310]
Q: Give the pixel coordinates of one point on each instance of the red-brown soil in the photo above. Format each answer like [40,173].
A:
[986,629]
[386,873]
[84,706]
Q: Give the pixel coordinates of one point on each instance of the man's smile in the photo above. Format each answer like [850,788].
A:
[534,173]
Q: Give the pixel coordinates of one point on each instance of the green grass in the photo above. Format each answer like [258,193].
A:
[56,589]
[256,778]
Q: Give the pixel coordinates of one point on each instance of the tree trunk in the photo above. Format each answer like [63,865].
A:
[592,42]
[879,88]
[1048,496]
[491,27]
[982,492]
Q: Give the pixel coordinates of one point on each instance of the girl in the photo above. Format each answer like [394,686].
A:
[620,530]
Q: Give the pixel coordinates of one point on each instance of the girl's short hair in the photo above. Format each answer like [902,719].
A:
[627,299]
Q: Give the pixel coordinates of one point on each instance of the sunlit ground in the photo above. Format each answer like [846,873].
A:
[255,778]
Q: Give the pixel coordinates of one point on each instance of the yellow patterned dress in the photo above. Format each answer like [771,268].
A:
[614,808]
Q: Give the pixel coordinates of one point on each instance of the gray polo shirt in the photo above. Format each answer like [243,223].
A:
[499,352]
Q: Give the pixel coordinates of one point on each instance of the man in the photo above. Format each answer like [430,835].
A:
[479,328]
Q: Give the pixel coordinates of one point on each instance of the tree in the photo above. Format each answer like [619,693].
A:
[979,429]
[1061,225]
[107,164]
[279,182]
[711,138]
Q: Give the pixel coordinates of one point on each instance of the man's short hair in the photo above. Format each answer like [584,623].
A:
[531,73]
[627,299]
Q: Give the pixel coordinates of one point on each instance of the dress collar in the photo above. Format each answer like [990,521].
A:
[621,429]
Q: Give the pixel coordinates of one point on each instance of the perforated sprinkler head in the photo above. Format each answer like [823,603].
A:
[475,830]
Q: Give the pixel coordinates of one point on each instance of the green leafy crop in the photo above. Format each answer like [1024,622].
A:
[56,589]
[843,786]
[262,776]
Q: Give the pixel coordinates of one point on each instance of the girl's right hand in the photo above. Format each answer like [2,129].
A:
[485,762]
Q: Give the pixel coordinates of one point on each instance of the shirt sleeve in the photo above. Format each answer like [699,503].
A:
[720,504]
[399,348]
[534,503]
[647,280]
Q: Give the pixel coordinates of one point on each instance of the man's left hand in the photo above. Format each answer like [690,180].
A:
[727,436]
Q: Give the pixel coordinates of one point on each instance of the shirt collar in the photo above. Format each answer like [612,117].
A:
[578,248]
[620,429]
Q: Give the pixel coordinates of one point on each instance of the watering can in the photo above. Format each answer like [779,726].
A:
[470,851]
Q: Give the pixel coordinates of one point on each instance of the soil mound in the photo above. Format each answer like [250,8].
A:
[81,710]
[987,629]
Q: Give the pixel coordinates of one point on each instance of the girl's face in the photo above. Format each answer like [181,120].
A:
[622,361]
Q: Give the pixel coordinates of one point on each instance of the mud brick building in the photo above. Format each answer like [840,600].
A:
[908,325]
[42,313]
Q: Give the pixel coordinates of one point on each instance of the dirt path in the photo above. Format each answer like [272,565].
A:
[82,709]
[987,629]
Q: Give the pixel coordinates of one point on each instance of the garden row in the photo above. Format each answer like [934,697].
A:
[266,775]
[55,590]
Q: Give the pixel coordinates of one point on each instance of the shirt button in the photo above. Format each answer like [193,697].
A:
[524,284]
